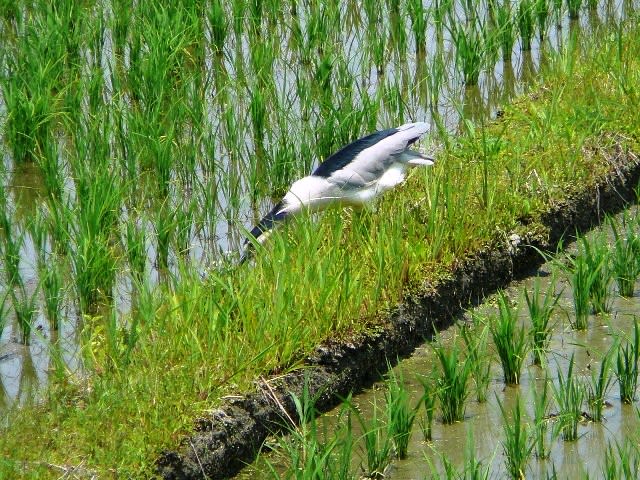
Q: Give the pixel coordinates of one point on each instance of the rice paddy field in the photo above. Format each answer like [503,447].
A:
[140,141]
[540,381]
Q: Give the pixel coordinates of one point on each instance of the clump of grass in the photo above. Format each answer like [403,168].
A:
[569,395]
[510,341]
[400,415]
[597,254]
[470,44]
[627,365]
[378,444]
[474,469]
[574,8]
[310,452]
[505,29]
[623,462]
[542,16]
[625,257]
[541,414]
[452,383]
[518,443]
[429,396]
[540,311]
[525,21]
[51,284]
[476,342]
[598,388]
[25,307]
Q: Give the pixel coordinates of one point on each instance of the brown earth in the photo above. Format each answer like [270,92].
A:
[231,436]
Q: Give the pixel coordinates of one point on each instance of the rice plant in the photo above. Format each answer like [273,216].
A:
[569,395]
[540,308]
[469,41]
[626,368]
[518,443]
[541,418]
[452,389]
[51,284]
[541,8]
[525,20]
[597,254]
[625,256]
[378,443]
[510,341]
[25,306]
[400,415]
[505,28]
[474,469]
[429,396]
[621,462]
[476,342]
[598,388]
[573,6]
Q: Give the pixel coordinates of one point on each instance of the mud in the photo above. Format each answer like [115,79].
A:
[231,436]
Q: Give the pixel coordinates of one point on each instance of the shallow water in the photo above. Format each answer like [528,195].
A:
[570,459]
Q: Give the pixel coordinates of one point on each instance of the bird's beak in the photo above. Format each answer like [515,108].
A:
[423,161]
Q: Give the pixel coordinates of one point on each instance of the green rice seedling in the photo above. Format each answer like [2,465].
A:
[218,25]
[598,388]
[378,444]
[452,388]
[310,455]
[476,342]
[541,8]
[540,311]
[625,257]
[474,469]
[525,21]
[518,443]
[510,341]
[573,6]
[400,415]
[557,7]
[135,245]
[25,307]
[470,45]
[597,255]
[505,29]
[622,462]
[419,19]
[51,285]
[569,395]
[540,418]
[429,396]
[626,368]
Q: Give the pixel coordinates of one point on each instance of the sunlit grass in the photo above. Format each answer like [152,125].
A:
[175,148]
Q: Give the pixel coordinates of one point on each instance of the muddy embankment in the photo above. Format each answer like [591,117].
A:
[231,436]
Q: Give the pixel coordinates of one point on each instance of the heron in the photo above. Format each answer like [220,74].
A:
[353,176]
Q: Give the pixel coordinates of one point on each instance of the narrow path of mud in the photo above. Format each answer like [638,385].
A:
[230,437]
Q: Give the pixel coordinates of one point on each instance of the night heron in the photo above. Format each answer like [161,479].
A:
[353,176]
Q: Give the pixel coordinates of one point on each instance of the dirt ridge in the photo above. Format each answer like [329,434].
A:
[231,436]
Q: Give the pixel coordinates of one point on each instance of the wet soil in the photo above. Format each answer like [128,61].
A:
[231,436]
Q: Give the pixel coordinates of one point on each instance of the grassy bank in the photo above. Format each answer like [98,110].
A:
[187,341]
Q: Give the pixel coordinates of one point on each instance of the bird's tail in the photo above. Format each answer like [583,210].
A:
[259,233]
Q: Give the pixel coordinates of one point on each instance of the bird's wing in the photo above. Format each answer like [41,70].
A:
[367,159]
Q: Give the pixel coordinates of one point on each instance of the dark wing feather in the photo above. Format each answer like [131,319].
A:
[346,154]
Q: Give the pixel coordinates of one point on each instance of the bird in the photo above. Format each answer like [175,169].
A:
[353,176]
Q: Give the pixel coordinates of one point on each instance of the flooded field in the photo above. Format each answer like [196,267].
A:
[474,447]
